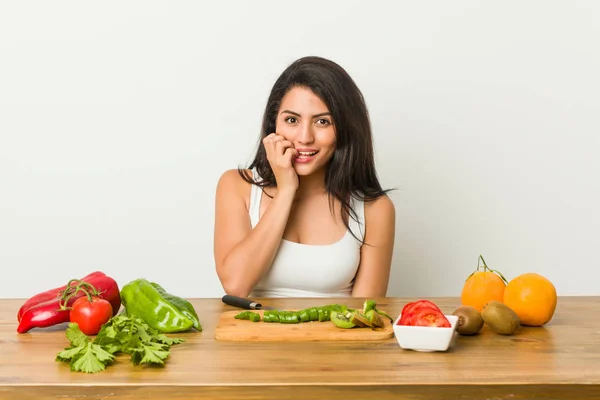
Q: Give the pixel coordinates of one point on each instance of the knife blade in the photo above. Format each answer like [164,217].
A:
[246,304]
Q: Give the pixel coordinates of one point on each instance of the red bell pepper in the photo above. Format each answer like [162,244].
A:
[53,306]
[51,294]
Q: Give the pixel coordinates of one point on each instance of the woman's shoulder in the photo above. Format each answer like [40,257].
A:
[231,181]
[235,175]
[380,209]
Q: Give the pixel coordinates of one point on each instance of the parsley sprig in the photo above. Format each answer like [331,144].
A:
[121,334]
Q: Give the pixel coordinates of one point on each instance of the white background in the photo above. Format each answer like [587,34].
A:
[117,119]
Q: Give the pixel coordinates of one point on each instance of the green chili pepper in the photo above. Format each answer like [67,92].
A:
[283,315]
[242,315]
[289,317]
[303,316]
[322,314]
[249,315]
[372,305]
[292,318]
[380,312]
[336,308]
[319,314]
[142,299]
[369,305]
[270,316]
[183,305]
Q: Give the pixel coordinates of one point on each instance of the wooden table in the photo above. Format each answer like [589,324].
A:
[558,361]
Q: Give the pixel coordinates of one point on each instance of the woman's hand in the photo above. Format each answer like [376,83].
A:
[280,153]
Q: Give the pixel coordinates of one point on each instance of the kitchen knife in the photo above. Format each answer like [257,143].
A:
[241,302]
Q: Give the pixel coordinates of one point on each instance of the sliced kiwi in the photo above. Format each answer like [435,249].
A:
[500,318]
[360,320]
[342,319]
[374,318]
[469,322]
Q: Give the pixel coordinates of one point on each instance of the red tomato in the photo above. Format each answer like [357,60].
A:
[409,310]
[427,316]
[90,316]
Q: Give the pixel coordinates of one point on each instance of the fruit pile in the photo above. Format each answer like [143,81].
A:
[487,297]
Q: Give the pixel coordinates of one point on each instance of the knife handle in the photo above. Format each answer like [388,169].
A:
[241,302]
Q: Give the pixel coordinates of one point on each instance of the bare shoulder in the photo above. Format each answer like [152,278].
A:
[380,222]
[380,209]
[231,180]
[231,183]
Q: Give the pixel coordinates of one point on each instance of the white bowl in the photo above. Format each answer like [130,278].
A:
[425,338]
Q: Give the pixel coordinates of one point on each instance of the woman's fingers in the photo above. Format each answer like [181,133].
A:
[273,137]
[280,151]
[281,145]
[289,155]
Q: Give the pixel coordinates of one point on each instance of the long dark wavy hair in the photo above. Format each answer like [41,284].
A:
[351,170]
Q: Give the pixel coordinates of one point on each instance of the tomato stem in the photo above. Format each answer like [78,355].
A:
[71,291]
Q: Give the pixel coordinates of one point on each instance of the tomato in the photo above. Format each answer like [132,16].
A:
[90,316]
[409,309]
[428,316]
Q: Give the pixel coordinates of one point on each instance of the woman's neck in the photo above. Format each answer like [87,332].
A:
[310,185]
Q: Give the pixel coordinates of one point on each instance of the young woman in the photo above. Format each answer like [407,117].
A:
[308,217]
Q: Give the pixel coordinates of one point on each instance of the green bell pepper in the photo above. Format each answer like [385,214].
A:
[183,305]
[142,299]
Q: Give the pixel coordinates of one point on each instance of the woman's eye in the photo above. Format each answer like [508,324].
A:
[290,120]
[323,121]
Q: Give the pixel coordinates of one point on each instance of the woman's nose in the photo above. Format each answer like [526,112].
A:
[305,134]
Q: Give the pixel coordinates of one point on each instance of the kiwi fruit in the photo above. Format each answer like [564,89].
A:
[371,319]
[342,319]
[469,321]
[374,318]
[500,318]
[360,320]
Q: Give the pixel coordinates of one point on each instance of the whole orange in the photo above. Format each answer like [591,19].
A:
[533,297]
[483,286]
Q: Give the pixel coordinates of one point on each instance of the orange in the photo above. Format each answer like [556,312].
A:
[483,286]
[533,297]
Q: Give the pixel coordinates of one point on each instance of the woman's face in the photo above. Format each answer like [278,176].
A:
[304,120]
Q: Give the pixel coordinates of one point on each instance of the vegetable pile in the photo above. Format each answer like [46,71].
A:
[341,315]
[91,306]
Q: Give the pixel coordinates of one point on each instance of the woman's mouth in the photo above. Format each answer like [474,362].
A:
[305,156]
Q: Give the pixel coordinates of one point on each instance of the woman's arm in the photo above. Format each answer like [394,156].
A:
[376,254]
[243,254]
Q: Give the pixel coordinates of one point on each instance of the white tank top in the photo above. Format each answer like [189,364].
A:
[301,270]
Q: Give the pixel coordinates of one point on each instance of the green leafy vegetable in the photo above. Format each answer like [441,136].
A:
[121,334]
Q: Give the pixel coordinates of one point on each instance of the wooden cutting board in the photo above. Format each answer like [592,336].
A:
[238,330]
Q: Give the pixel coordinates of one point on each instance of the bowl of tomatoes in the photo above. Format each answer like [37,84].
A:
[422,326]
